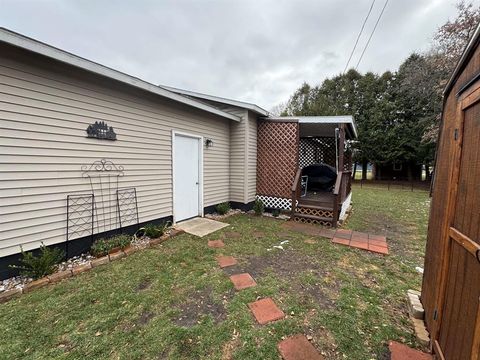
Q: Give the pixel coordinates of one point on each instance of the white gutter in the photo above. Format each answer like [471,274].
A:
[219,99]
[334,119]
[41,48]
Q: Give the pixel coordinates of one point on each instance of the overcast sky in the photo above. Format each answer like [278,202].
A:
[252,50]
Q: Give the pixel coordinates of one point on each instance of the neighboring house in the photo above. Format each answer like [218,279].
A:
[78,133]
[399,170]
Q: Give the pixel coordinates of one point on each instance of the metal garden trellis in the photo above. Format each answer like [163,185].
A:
[103,176]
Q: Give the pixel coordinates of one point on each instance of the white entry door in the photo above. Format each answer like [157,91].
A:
[186,176]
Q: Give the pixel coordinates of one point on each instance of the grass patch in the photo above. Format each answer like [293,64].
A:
[173,302]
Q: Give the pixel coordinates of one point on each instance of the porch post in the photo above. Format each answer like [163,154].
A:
[341,147]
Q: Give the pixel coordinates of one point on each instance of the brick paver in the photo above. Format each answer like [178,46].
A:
[361,240]
[224,261]
[265,311]
[216,244]
[402,352]
[242,281]
[357,239]
[338,240]
[297,347]
[328,233]
[359,244]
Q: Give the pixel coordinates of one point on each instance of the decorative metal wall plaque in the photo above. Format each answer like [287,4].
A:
[100,130]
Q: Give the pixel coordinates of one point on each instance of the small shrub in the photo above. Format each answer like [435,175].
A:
[223,208]
[122,240]
[276,212]
[99,248]
[42,265]
[154,231]
[103,246]
[258,207]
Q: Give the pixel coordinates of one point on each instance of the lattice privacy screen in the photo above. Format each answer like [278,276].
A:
[272,202]
[347,161]
[315,150]
[277,158]
[312,221]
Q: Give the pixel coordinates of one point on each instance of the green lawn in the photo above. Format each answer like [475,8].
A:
[173,302]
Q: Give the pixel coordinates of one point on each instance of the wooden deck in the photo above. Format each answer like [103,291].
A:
[321,199]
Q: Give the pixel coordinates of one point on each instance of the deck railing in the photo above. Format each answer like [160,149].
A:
[296,189]
[343,187]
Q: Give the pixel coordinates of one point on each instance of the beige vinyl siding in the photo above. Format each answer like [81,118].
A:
[238,150]
[243,152]
[252,157]
[44,111]
[238,139]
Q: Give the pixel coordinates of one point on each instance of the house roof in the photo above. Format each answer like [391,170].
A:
[466,55]
[241,104]
[24,42]
[321,120]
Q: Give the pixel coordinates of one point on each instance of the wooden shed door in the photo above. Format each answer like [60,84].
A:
[459,336]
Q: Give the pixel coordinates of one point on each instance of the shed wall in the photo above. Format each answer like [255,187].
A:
[442,186]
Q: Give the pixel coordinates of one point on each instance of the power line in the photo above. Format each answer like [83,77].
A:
[359,34]
[373,31]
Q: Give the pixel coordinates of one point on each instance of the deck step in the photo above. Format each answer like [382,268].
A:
[315,202]
[314,207]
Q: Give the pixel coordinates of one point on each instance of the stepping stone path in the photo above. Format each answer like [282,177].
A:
[356,239]
[360,240]
[298,347]
[265,311]
[224,261]
[216,244]
[242,281]
[402,352]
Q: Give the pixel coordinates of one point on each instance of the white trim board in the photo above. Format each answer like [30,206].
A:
[345,206]
[200,171]
[334,119]
[241,104]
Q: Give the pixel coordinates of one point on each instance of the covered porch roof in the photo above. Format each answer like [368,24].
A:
[320,126]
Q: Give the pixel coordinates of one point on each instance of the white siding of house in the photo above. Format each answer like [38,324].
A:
[243,152]
[44,111]
[251,178]
[238,140]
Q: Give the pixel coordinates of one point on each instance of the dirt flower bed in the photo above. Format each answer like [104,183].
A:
[216,216]
[75,261]
[14,286]
[144,241]
[19,282]
[16,282]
